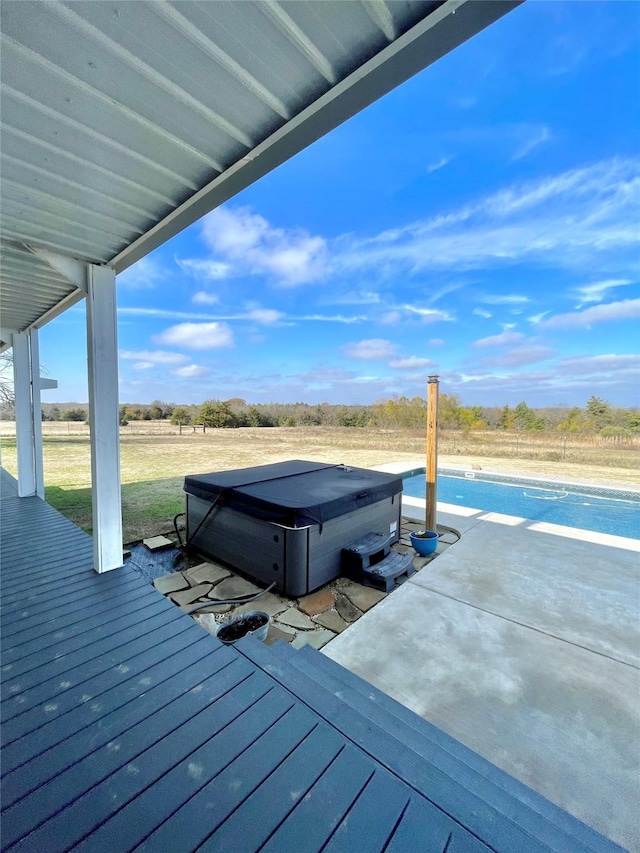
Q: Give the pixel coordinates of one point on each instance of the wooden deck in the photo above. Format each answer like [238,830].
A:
[125,726]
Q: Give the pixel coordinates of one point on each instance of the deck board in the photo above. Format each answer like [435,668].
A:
[126,726]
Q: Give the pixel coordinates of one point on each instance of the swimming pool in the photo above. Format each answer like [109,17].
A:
[586,508]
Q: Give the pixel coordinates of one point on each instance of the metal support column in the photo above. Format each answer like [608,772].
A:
[25,438]
[36,411]
[102,352]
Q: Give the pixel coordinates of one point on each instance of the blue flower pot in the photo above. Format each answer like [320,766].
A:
[425,542]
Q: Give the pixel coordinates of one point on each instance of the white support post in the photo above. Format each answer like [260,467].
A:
[36,411]
[102,351]
[24,415]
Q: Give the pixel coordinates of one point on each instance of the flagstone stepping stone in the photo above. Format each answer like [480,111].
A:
[290,632]
[362,596]
[155,543]
[276,634]
[212,608]
[295,619]
[206,572]
[331,620]
[233,587]
[318,601]
[170,583]
[208,622]
[268,603]
[317,639]
[346,609]
[188,596]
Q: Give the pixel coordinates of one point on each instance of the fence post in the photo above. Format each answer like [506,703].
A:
[432,452]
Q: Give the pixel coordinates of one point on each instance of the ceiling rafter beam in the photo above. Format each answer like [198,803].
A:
[32,191]
[83,188]
[381,16]
[100,138]
[72,269]
[96,167]
[109,103]
[48,244]
[145,70]
[33,213]
[197,37]
[298,38]
[6,223]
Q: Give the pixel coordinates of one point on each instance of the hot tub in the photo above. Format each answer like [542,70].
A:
[288,522]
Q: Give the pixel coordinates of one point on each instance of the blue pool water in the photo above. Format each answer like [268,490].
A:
[603,510]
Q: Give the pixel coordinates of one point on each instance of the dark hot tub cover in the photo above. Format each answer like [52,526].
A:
[295,493]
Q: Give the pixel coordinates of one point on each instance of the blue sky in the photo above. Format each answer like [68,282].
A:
[481,223]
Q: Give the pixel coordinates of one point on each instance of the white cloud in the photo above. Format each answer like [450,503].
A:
[190,371]
[354,297]
[411,362]
[519,355]
[249,244]
[601,364]
[143,365]
[480,312]
[374,349]
[146,273]
[436,342]
[330,318]
[204,269]
[430,315]
[326,374]
[624,310]
[569,220]
[204,298]
[264,316]
[597,291]
[504,338]
[535,136]
[153,356]
[164,314]
[438,164]
[390,318]
[505,299]
[197,336]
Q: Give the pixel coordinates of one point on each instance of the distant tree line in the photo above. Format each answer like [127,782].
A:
[397,412]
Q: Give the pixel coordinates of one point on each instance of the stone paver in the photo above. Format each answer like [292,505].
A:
[206,572]
[364,597]
[208,622]
[190,595]
[212,608]
[170,583]
[346,609]
[318,601]
[234,587]
[331,620]
[276,634]
[317,639]
[295,619]
[290,632]
[268,603]
[155,543]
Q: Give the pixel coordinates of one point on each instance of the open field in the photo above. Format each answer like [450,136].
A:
[154,462]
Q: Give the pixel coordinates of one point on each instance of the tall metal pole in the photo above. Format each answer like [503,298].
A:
[433,384]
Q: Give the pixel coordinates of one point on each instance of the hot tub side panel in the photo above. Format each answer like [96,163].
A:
[326,543]
[253,546]
[298,559]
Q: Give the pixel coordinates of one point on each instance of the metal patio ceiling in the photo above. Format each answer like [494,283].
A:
[125,121]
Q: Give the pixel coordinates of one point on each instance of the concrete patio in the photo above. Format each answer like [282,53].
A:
[521,641]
